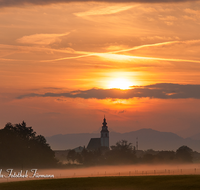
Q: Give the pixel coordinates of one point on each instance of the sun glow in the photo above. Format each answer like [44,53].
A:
[121,83]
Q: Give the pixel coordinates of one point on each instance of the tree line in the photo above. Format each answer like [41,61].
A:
[124,153]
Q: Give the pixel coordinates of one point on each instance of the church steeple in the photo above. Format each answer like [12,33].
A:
[104,134]
[104,127]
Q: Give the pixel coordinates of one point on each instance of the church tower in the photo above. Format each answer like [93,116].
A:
[104,134]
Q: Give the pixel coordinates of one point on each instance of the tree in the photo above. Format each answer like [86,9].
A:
[121,153]
[21,147]
[90,158]
[72,156]
[184,154]
[166,156]
[123,146]
[148,158]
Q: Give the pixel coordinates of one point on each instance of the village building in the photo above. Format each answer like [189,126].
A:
[103,141]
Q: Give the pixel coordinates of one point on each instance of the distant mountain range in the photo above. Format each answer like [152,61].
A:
[196,137]
[147,138]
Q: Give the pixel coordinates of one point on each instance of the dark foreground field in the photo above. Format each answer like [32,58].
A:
[181,182]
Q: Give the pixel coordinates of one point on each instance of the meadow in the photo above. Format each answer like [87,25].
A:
[172,182]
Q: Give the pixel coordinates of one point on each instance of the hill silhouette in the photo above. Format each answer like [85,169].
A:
[148,139]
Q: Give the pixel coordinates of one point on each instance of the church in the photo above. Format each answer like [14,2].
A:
[103,141]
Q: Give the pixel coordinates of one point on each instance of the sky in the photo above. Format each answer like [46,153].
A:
[65,64]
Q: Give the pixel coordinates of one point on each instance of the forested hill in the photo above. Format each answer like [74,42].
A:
[148,139]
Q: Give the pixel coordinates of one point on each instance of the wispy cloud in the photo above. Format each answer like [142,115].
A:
[192,14]
[41,39]
[40,42]
[7,3]
[117,56]
[105,10]
[111,55]
[161,91]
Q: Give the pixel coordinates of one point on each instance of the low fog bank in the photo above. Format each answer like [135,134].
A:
[106,171]
[128,170]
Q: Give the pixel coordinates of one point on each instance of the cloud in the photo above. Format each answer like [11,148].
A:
[114,55]
[123,111]
[192,14]
[190,47]
[160,91]
[41,39]
[11,3]
[104,11]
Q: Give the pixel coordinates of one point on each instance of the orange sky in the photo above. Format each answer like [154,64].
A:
[53,54]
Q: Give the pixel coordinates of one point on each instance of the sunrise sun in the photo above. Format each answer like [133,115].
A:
[120,83]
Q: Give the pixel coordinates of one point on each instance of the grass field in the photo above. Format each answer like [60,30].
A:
[179,182]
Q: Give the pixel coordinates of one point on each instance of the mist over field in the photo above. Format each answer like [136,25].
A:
[127,170]
[107,171]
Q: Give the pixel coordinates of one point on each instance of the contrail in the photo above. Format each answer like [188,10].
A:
[116,53]
[89,54]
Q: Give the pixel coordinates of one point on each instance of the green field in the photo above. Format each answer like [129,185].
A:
[180,182]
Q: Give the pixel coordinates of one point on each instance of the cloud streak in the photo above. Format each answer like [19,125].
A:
[11,3]
[41,39]
[46,39]
[160,91]
[116,55]
[105,11]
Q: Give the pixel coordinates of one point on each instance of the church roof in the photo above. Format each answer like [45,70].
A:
[94,144]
